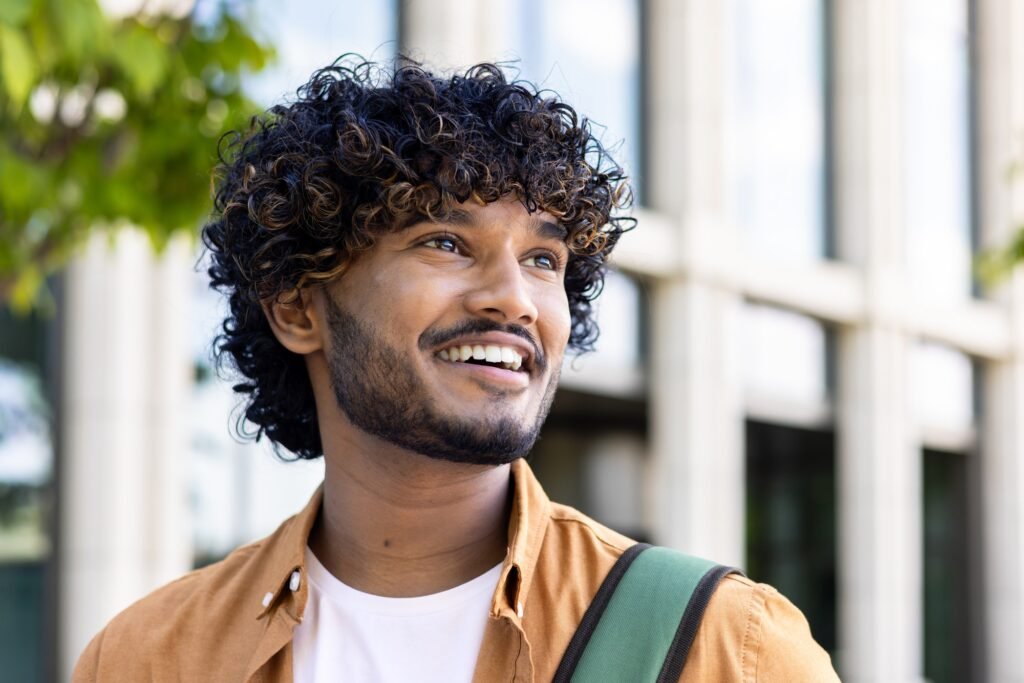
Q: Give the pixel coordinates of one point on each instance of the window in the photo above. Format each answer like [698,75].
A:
[26,480]
[791,519]
[943,395]
[937,147]
[776,127]
[951,616]
[595,66]
[616,366]
[786,365]
[311,35]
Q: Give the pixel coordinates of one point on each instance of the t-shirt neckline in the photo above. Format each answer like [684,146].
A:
[335,590]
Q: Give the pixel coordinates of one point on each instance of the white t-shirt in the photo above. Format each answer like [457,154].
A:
[348,635]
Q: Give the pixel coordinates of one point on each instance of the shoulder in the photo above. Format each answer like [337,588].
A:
[751,632]
[569,525]
[577,553]
[160,632]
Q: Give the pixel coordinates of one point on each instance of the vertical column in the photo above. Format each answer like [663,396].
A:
[697,468]
[1000,121]
[880,549]
[124,522]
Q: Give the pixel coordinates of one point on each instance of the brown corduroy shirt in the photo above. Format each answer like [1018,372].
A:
[233,621]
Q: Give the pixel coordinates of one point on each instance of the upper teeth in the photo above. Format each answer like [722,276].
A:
[505,356]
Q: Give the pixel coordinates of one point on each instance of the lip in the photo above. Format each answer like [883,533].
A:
[489,374]
[522,347]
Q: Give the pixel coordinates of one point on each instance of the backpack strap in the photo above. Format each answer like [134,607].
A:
[641,623]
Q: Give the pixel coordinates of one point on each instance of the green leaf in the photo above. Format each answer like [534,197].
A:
[143,58]
[26,288]
[15,12]
[81,26]
[17,66]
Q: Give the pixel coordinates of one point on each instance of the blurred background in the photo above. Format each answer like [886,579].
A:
[799,373]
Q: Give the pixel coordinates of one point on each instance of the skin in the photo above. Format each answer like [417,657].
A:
[396,522]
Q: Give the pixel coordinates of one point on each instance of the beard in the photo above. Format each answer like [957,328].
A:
[380,394]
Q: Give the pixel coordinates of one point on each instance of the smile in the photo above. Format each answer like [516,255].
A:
[494,355]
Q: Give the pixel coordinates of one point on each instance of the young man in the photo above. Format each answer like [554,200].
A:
[407,258]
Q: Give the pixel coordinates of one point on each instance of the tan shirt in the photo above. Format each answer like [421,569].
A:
[233,621]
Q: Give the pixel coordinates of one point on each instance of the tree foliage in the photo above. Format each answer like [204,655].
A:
[107,121]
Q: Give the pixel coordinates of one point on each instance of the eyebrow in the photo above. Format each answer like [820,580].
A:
[549,230]
[544,228]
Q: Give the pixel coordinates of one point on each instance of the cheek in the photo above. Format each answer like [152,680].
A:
[408,301]
[555,320]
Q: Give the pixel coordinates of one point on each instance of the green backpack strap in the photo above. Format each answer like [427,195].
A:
[643,619]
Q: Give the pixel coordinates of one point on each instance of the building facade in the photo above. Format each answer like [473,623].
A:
[799,373]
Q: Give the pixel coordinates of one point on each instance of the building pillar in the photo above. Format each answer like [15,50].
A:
[697,456]
[880,558]
[124,524]
[999,53]
[879,487]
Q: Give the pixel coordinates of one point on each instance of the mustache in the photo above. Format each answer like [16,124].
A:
[433,338]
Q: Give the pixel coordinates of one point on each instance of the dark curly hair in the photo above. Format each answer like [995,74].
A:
[364,150]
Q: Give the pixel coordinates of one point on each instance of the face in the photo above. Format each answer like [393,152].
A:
[446,338]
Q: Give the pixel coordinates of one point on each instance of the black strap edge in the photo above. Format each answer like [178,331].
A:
[672,669]
[580,639]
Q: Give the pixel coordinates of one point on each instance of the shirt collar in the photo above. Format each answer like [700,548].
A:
[526,526]
[286,549]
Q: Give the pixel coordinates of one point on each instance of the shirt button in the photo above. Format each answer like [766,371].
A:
[295,581]
[267,598]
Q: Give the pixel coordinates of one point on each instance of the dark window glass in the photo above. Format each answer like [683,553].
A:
[951,616]
[791,519]
[26,480]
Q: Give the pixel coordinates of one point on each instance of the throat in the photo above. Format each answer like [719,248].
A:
[421,542]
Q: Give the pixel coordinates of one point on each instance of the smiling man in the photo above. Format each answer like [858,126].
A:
[407,259]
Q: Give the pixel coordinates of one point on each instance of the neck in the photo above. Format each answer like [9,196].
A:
[400,524]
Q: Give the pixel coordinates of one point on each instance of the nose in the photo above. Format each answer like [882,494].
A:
[501,293]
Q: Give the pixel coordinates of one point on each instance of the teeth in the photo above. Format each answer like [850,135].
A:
[503,356]
[493,354]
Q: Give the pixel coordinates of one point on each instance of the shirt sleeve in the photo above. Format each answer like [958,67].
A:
[752,634]
[778,643]
[88,662]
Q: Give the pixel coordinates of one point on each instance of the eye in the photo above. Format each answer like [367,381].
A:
[545,261]
[443,243]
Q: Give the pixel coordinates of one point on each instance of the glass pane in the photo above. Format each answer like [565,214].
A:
[595,66]
[943,388]
[937,147]
[616,365]
[948,548]
[791,519]
[776,127]
[785,357]
[310,35]
[26,476]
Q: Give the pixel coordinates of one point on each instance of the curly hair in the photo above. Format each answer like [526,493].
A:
[363,151]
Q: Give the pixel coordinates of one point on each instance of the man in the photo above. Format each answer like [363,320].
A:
[407,258]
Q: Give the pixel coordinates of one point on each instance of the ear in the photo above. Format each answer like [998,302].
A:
[296,322]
